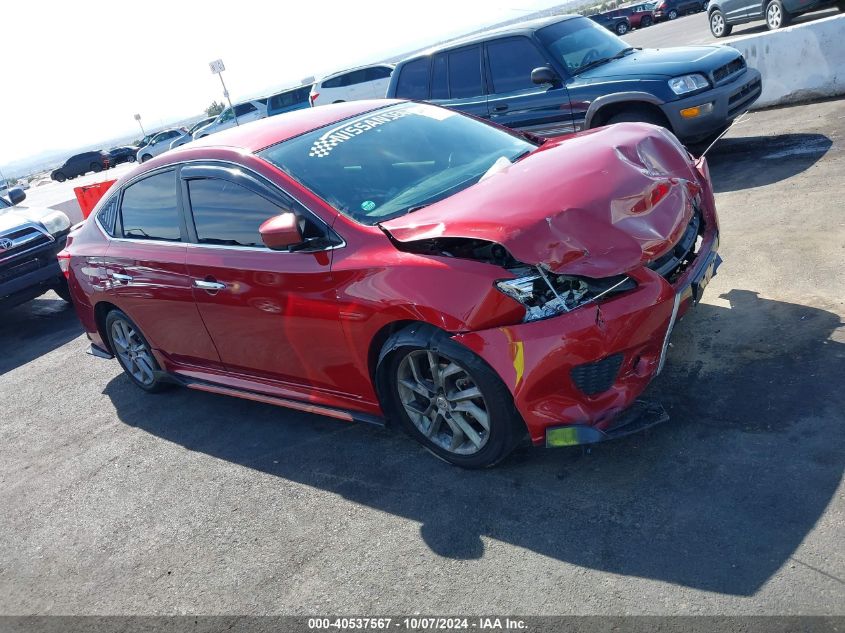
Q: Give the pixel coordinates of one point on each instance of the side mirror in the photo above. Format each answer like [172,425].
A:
[281,232]
[544,75]
[16,195]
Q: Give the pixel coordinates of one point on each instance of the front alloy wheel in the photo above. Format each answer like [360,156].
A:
[776,15]
[621,28]
[444,402]
[447,398]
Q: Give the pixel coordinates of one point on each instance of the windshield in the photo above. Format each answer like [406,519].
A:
[385,163]
[580,43]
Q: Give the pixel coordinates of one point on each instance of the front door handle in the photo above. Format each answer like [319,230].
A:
[209,286]
[121,278]
[500,108]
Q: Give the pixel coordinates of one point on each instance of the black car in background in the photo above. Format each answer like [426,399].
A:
[80,164]
[671,9]
[124,154]
[619,24]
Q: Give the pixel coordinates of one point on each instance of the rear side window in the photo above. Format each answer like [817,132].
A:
[334,82]
[465,73]
[439,79]
[228,214]
[244,108]
[150,210]
[511,63]
[108,215]
[377,72]
[413,80]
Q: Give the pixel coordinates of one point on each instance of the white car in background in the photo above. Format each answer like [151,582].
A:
[158,144]
[245,112]
[365,82]
[188,136]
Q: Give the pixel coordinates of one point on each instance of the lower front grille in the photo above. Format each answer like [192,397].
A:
[742,97]
[594,378]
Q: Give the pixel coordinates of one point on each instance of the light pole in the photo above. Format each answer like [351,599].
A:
[138,119]
[217,68]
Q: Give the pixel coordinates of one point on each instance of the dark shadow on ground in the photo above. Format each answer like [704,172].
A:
[34,328]
[745,162]
[716,499]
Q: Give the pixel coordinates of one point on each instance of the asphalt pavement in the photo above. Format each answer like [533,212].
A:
[119,502]
[690,30]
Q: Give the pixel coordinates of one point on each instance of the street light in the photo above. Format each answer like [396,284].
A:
[217,68]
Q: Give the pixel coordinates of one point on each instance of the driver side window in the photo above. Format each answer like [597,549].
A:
[228,214]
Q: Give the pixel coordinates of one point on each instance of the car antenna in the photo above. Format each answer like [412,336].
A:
[716,140]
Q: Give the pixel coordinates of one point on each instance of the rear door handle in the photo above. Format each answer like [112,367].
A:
[209,286]
[119,277]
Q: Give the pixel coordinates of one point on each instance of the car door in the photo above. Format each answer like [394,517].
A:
[266,310]
[457,79]
[514,100]
[147,276]
[736,10]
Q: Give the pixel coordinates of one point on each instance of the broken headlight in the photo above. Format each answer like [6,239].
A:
[545,294]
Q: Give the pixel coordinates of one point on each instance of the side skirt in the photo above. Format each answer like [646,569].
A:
[339,414]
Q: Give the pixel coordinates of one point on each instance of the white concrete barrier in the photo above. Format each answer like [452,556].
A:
[798,63]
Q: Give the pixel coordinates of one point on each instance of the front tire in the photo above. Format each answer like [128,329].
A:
[145,158]
[447,398]
[637,115]
[59,177]
[776,15]
[133,352]
[718,25]
[673,14]
[96,167]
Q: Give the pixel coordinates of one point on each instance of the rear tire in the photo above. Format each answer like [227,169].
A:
[133,352]
[718,25]
[776,15]
[59,177]
[96,167]
[462,411]
[145,158]
[646,22]
[673,14]
[622,28]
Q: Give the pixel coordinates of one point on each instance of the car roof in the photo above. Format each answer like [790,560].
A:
[255,136]
[520,28]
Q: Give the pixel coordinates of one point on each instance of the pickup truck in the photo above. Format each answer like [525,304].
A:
[30,239]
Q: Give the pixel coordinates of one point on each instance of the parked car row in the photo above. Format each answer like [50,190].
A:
[723,15]
[80,164]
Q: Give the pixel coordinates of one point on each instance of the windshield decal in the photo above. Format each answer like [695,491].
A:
[323,146]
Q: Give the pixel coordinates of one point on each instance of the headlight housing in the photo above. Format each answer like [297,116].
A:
[546,294]
[688,83]
[55,222]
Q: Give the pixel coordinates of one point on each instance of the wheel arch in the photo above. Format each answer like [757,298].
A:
[603,108]
[101,313]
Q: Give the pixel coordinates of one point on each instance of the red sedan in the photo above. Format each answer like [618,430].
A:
[397,261]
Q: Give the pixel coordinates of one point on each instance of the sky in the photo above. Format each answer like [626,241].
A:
[75,73]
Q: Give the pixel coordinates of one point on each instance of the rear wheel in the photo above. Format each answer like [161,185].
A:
[447,398]
[59,177]
[673,13]
[622,28]
[776,15]
[718,26]
[145,158]
[133,352]
[96,167]
[646,21]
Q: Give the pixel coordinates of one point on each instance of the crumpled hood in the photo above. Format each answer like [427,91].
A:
[597,204]
[13,217]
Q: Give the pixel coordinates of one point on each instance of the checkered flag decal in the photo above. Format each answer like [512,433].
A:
[322,146]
